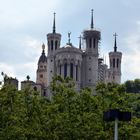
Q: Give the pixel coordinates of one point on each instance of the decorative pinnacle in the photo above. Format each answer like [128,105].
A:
[115,42]
[28,77]
[92,25]
[69,33]
[80,44]
[43,48]
[54,23]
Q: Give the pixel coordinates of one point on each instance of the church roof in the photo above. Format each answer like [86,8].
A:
[43,57]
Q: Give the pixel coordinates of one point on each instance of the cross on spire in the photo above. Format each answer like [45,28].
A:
[80,44]
[115,42]
[54,23]
[92,24]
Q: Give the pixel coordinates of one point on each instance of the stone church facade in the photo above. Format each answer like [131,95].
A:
[85,67]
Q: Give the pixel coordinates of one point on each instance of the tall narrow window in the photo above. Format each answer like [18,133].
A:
[60,70]
[76,72]
[71,70]
[65,70]
[51,44]
[94,42]
[41,75]
[56,42]
[90,42]
[117,63]
[113,62]
[44,93]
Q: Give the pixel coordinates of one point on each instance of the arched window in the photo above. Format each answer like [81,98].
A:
[94,42]
[113,62]
[117,63]
[65,70]
[60,70]
[71,70]
[56,43]
[90,42]
[51,44]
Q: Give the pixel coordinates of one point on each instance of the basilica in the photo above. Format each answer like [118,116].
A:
[84,66]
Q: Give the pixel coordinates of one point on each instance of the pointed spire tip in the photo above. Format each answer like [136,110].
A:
[54,28]
[80,44]
[92,24]
[115,42]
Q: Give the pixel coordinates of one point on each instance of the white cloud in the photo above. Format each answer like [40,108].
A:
[20,71]
[7,69]
[29,68]
[23,25]
[131,58]
[30,51]
[32,48]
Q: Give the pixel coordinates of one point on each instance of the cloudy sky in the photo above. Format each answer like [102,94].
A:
[25,23]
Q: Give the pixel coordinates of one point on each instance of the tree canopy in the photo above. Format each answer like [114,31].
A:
[132,86]
[69,115]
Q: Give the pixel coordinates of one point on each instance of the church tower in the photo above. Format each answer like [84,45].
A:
[54,40]
[115,64]
[42,69]
[92,37]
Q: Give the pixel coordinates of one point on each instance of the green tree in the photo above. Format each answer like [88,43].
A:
[132,86]
[25,115]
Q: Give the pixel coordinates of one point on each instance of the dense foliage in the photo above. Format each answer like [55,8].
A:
[132,86]
[25,115]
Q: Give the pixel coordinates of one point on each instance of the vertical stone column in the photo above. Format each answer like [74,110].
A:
[79,72]
[62,69]
[74,72]
[57,68]
[79,77]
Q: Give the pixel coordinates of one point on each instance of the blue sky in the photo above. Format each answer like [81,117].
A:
[25,23]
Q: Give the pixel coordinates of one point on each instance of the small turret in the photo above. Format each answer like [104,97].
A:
[42,68]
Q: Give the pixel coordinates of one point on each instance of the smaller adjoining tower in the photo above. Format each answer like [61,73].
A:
[53,40]
[42,69]
[115,64]
[92,37]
